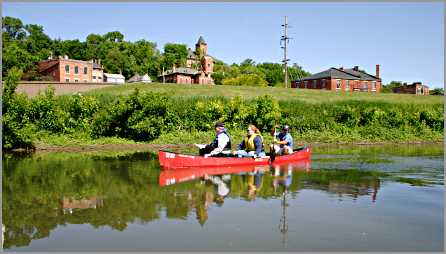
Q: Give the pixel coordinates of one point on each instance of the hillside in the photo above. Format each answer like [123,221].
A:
[282,94]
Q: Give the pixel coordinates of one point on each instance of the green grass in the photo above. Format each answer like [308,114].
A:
[77,139]
[247,92]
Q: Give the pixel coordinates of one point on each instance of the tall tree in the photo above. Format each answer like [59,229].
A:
[114,36]
[13,29]
[174,54]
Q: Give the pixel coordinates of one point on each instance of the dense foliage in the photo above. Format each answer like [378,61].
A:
[25,45]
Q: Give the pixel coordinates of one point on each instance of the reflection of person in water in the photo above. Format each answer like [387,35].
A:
[222,187]
[283,177]
[254,181]
[210,197]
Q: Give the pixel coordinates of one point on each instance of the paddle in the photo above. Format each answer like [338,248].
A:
[272,150]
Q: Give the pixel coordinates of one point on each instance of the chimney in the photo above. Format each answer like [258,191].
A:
[65,57]
[356,68]
[377,71]
[173,67]
[99,62]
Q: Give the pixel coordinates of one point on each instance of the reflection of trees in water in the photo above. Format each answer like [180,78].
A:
[118,191]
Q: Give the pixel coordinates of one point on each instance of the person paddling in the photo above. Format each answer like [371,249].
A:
[283,142]
[252,144]
[221,142]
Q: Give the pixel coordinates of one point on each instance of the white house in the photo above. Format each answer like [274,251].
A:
[141,79]
[114,78]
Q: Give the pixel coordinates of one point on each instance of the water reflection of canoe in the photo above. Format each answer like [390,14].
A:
[169,159]
[177,175]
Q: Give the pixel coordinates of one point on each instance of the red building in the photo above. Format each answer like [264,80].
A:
[415,88]
[66,70]
[340,79]
[198,70]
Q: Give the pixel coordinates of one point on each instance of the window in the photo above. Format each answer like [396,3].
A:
[99,77]
[94,77]
[356,85]
[324,83]
[67,68]
[364,86]
[347,85]
[76,80]
[305,84]
[314,83]
[338,84]
[209,65]
[76,70]
[67,80]
[374,85]
[85,70]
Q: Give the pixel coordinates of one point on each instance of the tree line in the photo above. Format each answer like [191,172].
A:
[26,44]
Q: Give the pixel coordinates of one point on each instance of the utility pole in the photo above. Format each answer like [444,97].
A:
[285,39]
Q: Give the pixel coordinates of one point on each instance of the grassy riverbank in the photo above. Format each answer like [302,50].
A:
[184,114]
[248,92]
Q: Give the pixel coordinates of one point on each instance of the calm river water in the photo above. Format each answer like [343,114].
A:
[355,198]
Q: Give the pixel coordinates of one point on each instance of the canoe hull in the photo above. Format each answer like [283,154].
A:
[176,160]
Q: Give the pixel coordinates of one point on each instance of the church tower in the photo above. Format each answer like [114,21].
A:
[201,46]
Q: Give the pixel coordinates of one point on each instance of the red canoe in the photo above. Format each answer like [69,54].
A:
[176,160]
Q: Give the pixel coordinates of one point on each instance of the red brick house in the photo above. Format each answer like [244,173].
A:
[415,88]
[66,70]
[340,79]
[198,70]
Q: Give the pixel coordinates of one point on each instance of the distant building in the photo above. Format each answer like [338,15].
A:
[415,88]
[98,72]
[140,79]
[340,79]
[114,78]
[198,70]
[66,70]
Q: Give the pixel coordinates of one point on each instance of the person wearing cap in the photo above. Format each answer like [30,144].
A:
[221,142]
[283,143]
[252,144]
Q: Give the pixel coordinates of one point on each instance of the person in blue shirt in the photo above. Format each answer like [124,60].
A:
[283,142]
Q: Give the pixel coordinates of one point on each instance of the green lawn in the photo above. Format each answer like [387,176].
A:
[284,94]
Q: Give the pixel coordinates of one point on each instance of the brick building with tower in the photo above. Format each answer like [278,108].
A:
[198,70]
[340,79]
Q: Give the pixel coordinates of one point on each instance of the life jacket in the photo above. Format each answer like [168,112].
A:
[214,143]
[249,142]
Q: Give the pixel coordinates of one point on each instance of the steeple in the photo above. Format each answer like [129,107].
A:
[201,46]
[201,40]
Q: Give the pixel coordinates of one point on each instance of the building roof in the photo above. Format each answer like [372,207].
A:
[342,74]
[139,78]
[191,54]
[362,74]
[112,75]
[181,70]
[201,40]
[96,66]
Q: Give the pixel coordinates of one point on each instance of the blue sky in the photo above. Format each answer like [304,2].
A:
[406,39]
